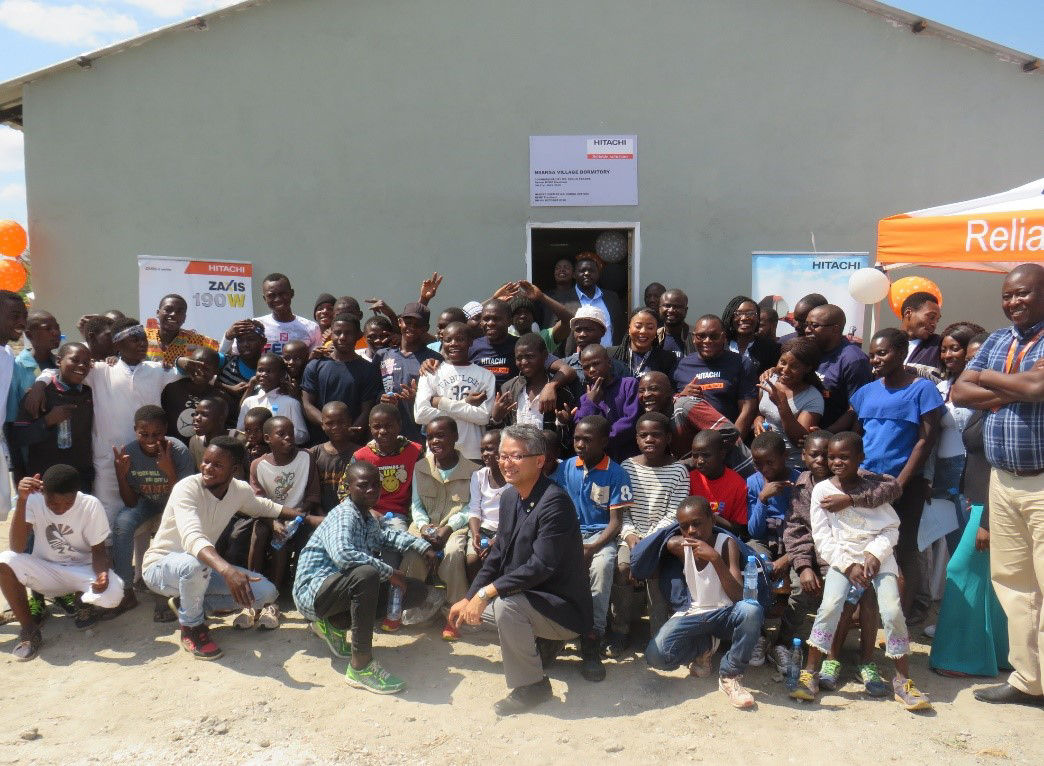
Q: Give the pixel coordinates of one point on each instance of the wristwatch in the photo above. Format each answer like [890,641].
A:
[484,594]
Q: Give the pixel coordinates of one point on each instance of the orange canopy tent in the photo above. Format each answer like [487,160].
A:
[994,233]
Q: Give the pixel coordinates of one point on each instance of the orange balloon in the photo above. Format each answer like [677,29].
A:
[903,288]
[13,240]
[12,275]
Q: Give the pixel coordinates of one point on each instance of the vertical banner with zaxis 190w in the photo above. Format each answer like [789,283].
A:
[217,292]
[789,277]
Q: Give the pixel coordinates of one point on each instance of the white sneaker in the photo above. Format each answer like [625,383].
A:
[245,620]
[780,657]
[268,617]
[757,659]
[735,691]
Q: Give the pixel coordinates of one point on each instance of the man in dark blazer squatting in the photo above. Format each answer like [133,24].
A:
[534,582]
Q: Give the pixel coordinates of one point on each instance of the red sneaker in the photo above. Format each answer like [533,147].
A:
[197,642]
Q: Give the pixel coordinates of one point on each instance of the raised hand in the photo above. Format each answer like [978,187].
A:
[28,485]
[429,287]
[528,290]
[502,405]
[505,292]
[165,459]
[408,391]
[564,415]
[121,462]
[595,392]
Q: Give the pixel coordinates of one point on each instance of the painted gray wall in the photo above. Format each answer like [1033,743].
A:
[359,145]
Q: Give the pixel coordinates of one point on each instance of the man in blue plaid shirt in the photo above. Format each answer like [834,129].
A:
[1004,378]
[341,582]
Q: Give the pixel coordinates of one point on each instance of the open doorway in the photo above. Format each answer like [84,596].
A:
[548,243]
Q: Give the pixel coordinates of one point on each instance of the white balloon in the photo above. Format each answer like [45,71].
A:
[868,285]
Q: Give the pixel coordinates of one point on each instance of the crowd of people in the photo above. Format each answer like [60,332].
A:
[545,463]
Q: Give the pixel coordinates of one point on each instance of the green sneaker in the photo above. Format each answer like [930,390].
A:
[374,678]
[829,672]
[873,683]
[37,608]
[336,639]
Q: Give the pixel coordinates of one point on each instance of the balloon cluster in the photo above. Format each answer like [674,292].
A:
[13,242]
[872,285]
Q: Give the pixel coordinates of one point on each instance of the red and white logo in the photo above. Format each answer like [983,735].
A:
[610,148]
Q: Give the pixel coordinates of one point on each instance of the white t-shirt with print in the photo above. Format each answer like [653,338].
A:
[279,333]
[66,538]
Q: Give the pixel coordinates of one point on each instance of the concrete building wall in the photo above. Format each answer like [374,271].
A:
[358,145]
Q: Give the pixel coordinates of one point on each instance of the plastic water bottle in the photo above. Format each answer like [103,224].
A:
[292,526]
[750,581]
[394,592]
[65,434]
[855,592]
[395,603]
[766,563]
[794,668]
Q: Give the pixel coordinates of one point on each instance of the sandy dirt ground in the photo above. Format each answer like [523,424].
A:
[129,694]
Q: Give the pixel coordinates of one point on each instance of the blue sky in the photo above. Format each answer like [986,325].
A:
[37,33]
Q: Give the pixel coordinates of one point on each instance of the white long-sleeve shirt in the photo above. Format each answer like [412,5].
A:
[194,518]
[843,538]
[453,384]
[287,406]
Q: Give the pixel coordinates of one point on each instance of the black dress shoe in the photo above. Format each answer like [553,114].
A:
[1006,694]
[591,667]
[524,698]
[548,651]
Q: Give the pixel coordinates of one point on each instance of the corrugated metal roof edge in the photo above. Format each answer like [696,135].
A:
[11,90]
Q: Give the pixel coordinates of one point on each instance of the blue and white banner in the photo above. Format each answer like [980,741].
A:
[788,277]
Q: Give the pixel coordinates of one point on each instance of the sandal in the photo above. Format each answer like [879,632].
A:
[27,646]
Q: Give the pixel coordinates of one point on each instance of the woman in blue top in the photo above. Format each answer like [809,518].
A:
[899,415]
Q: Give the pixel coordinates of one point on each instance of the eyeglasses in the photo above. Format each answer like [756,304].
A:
[746,314]
[817,326]
[517,457]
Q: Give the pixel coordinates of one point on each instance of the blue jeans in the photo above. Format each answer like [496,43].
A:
[124,526]
[602,571]
[683,638]
[183,575]
[835,590]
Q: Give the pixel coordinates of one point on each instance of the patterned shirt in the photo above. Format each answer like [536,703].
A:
[1014,434]
[345,539]
[184,343]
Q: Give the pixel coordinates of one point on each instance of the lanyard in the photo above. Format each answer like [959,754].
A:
[1013,362]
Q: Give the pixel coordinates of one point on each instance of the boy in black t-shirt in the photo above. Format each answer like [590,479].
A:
[62,434]
[333,457]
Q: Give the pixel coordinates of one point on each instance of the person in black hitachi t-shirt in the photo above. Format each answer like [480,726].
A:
[722,377]
[495,350]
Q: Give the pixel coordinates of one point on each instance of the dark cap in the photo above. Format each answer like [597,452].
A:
[417,311]
[323,298]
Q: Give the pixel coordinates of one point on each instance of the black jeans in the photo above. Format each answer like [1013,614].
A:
[354,599]
[912,563]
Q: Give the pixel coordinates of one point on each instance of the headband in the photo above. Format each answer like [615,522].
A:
[135,330]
